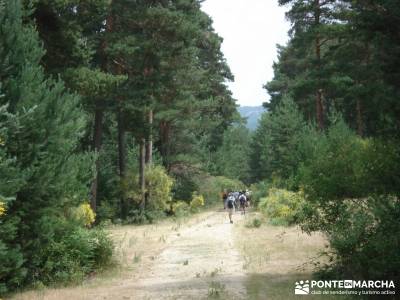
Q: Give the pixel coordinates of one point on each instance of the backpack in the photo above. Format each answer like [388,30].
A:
[242,199]
[230,202]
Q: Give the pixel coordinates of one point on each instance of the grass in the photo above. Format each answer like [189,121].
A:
[277,287]
[215,272]
[137,258]
[254,223]
[216,290]
[275,257]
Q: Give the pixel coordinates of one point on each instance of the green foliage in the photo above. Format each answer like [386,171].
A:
[348,166]
[158,195]
[159,186]
[282,206]
[69,252]
[343,51]
[350,183]
[46,174]
[258,191]
[180,209]
[363,238]
[184,186]
[254,223]
[350,193]
[232,158]
[275,142]
[336,156]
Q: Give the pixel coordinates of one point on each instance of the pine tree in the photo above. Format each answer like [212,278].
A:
[43,142]
[75,38]
[311,25]
[233,155]
[274,146]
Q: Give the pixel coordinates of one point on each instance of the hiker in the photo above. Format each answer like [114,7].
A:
[242,202]
[236,196]
[224,197]
[248,197]
[230,204]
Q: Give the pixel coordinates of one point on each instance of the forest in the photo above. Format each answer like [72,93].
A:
[117,112]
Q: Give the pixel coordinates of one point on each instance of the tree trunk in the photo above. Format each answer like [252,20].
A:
[121,144]
[149,142]
[318,99]
[319,110]
[97,134]
[164,139]
[360,123]
[121,157]
[98,121]
[141,173]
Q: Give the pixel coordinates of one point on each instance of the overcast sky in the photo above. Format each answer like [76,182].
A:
[250,29]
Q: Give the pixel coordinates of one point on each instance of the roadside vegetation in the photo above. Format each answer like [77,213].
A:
[326,154]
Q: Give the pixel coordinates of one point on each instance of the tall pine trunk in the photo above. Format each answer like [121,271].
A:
[121,144]
[141,173]
[98,120]
[318,99]
[97,135]
[360,123]
[121,156]
[149,142]
[164,140]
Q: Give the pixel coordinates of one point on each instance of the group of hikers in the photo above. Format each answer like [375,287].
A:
[234,200]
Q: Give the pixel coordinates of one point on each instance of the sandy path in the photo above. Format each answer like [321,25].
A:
[202,262]
[195,260]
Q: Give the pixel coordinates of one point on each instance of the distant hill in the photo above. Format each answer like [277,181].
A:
[252,113]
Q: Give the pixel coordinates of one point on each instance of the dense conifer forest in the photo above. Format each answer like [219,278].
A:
[117,112]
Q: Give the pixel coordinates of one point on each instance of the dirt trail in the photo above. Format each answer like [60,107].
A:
[202,262]
[202,257]
[195,260]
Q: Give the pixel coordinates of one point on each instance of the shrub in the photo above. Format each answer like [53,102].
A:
[103,248]
[158,195]
[282,206]
[180,209]
[69,252]
[254,223]
[331,165]
[159,186]
[2,208]
[258,191]
[364,239]
[106,211]
[84,214]
[196,203]
[350,184]
[184,186]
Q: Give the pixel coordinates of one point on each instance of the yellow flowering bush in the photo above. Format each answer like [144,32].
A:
[2,208]
[159,186]
[197,202]
[85,214]
[281,206]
